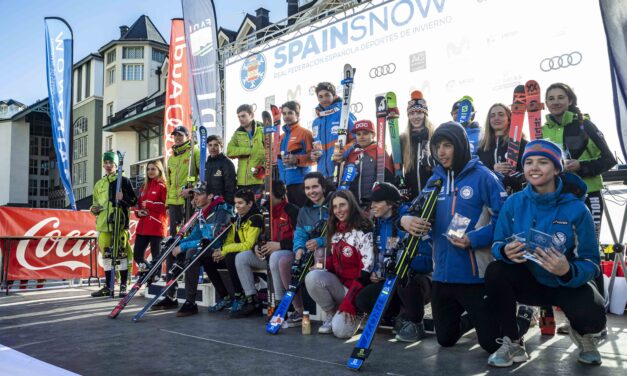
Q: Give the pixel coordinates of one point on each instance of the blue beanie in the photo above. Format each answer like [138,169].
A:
[544,148]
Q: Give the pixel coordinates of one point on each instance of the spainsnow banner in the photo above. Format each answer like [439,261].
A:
[201,35]
[59,44]
[177,98]
[50,254]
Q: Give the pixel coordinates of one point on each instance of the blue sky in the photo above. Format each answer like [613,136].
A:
[95,23]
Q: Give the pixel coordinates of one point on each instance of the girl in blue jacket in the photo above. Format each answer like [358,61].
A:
[552,203]
[473,191]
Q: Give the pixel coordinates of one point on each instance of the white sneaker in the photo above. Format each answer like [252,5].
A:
[327,327]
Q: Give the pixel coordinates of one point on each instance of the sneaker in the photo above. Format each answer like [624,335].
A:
[248,308]
[188,309]
[293,320]
[102,292]
[398,324]
[508,354]
[236,305]
[563,329]
[411,332]
[166,303]
[587,343]
[327,327]
[122,291]
[220,305]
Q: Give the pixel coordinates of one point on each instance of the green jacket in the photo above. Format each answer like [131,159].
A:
[177,172]
[584,143]
[249,151]
[104,196]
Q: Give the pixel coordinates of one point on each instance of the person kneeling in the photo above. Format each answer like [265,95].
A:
[560,274]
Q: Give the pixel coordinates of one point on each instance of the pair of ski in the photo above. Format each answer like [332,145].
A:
[526,99]
[397,266]
[299,271]
[118,226]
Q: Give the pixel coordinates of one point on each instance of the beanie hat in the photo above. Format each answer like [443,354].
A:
[382,191]
[417,103]
[464,98]
[544,148]
[110,156]
[363,125]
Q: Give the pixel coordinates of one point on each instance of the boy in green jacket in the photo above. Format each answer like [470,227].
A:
[247,146]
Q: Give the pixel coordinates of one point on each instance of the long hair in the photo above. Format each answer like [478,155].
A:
[160,177]
[356,218]
[571,97]
[486,141]
[408,160]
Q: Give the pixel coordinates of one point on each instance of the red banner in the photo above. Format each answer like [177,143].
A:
[50,254]
[177,103]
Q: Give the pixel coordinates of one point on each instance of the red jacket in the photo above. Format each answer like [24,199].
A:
[284,217]
[153,196]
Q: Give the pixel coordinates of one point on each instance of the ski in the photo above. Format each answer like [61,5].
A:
[169,246]
[276,118]
[464,112]
[182,270]
[202,145]
[382,111]
[396,268]
[534,109]
[299,271]
[342,132]
[516,125]
[395,140]
[117,213]
[348,175]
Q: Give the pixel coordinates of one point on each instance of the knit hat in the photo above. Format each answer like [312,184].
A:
[417,103]
[544,148]
[110,156]
[382,191]
[363,125]
[464,98]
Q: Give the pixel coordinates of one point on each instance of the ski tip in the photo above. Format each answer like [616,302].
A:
[272,328]
[354,364]
[416,94]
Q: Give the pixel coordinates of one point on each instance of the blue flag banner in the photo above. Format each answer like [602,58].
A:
[59,71]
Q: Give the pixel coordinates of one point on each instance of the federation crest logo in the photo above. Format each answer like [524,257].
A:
[466,192]
[559,239]
[347,251]
[253,71]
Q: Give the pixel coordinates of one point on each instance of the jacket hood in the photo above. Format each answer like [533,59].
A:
[457,135]
[568,187]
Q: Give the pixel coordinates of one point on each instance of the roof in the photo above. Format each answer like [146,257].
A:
[142,30]
[87,58]
[10,102]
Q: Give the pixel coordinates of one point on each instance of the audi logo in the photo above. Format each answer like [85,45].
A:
[562,61]
[357,107]
[254,106]
[382,70]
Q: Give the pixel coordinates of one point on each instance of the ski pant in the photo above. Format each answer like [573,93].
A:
[245,263]
[176,216]
[508,283]
[448,303]
[105,243]
[211,268]
[281,270]
[408,301]
[192,274]
[296,194]
[141,243]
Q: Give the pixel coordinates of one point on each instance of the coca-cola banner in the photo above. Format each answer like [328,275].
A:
[50,253]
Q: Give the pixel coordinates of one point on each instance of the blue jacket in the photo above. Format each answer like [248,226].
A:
[324,129]
[308,216]
[562,214]
[219,216]
[477,194]
[473,130]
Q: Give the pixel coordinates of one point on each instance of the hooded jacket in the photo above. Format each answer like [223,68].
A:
[473,191]
[284,217]
[178,169]
[244,233]
[220,177]
[153,197]
[562,214]
[584,143]
[308,217]
[295,140]
[249,149]
[324,129]
[218,214]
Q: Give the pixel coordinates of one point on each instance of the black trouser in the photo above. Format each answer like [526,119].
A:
[176,216]
[449,301]
[408,302]
[508,283]
[211,268]
[141,243]
[296,194]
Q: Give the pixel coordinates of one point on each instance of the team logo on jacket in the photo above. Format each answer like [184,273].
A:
[559,239]
[253,71]
[466,192]
[218,173]
[347,251]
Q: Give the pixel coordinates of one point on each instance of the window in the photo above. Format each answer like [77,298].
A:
[32,167]
[133,53]
[79,173]
[80,148]
[32,187]
[43,204]
[132,72]
[110,76]
[43,188]
[4,110]
[34,146]
[158,55]
[80,126]
[109,143]
[109,112]
[45,146]
[87,79]
[43,168]
[110,57]
[32,203]
[79,84]
[150,143]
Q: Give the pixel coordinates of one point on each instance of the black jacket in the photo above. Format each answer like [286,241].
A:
[128,200]
[220,177]
[515,182]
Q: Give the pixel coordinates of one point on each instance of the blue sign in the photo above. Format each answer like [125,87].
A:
[253,71]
